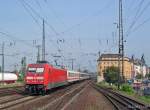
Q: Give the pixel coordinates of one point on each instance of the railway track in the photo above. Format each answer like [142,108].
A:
[11,103]
[14,87]
[62,102]
[120,101]
[13,96]
[55,99]
[10,99]
[11,91]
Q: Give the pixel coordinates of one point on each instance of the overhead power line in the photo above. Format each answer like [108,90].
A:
[139,15]
[37,2]
[34,13]
[136,16]
[108,4]
[140,25]
[40,17]
[15,38]
[30,13]
[55,14]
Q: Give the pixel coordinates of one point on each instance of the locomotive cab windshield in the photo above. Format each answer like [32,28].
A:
[36,70]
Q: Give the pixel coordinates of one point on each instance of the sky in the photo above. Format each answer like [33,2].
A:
[76,29]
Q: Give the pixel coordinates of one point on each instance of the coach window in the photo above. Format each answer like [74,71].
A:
[70,74]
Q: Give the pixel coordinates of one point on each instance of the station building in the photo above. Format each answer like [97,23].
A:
[108,60]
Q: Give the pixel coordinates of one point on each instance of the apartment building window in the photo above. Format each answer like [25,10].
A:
[104,67]
[100,67]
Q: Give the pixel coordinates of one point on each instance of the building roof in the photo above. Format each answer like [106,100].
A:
[139,62]
[109,55]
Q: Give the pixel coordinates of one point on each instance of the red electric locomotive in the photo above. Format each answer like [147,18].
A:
[41,77]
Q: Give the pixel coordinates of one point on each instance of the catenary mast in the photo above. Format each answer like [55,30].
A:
[121,46]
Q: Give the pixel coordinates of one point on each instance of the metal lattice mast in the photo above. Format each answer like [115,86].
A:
[121,46]
[38,53]
[3,61]
[43,43]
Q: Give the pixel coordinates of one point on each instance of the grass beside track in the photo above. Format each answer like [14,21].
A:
[144,99]
[11,85]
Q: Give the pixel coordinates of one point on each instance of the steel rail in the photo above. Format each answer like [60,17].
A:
[120,101]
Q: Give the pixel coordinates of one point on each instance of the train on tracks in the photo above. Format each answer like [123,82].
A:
[41,77]
[8,77]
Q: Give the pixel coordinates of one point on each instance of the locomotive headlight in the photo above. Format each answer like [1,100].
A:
[40,78]
[29,78]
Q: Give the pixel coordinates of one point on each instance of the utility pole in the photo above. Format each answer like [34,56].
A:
[121,46]
[99,53]
[143,63]
[72,60]
[23,66]
[72,63]
[56,59]
[56,62]
[43,42]
[38,53]
[3,61]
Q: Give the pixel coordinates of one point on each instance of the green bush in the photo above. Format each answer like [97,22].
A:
[127,88]
[20,77]
[111,74]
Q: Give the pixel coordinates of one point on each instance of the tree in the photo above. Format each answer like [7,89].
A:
[111,74]
[147,75]
[23,69]
[0,69]
[139,76]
